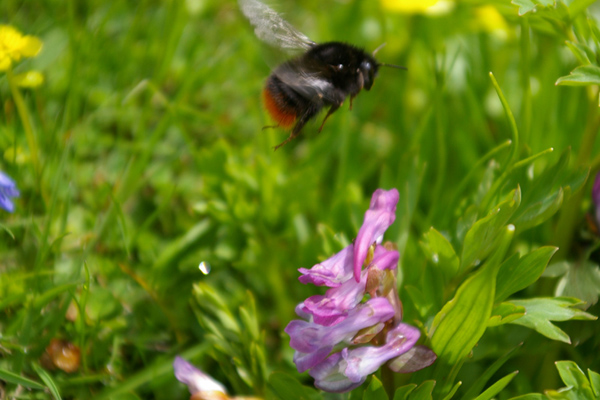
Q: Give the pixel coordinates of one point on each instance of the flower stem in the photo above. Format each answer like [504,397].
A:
[24,115]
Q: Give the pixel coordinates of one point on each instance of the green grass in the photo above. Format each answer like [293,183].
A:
[152,160]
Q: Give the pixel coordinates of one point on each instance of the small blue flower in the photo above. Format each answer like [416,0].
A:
[8,190]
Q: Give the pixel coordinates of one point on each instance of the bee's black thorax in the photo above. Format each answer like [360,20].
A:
[347,67]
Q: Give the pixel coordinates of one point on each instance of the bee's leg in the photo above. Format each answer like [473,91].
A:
[332,109]
[351,98]
[304,118]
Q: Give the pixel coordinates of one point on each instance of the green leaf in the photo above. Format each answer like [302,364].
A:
[578,386]
[497,387]
[441,253]
[581,281]
[375,390]
[536,213]
[581,76]
[463,320]
[595,382]
[11,377]
[453,391]
[48,381]
[177,248]
[285,387]
[423,392]
[482,236]
[571,374]
[530,396]
[518,273]
[504,313]
[579,52]
[543,195]
[479,384]
[526,6]
[403,391]
[540,311]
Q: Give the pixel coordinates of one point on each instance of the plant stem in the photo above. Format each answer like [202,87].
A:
[24,115]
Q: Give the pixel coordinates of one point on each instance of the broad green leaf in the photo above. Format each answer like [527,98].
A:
[578,386]
[423,392]
[536,213]
[285,387]
[581,76]
[441,253]
[463,320]
[530,396]
[543,195]
[571,374]
[423,303]
[375,390]
[526,6]
[496,387]
[481,238]
[540,311]
[504,313]
[579,51]
[556,269]
[480,383]
[581,281]
[595,382]
[518,273]
[403,391]
[11,377]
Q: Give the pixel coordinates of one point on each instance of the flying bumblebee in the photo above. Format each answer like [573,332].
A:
[324,75]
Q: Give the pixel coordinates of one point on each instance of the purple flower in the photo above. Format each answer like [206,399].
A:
[8,189]
[380,215]
[348,369]
[331,308]
[196,380]
[596,199]
[331,272]
[314,342]
[369,333]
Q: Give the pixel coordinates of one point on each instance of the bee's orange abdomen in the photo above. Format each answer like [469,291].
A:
[275,104]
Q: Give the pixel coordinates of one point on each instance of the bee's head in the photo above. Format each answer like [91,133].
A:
[368,70]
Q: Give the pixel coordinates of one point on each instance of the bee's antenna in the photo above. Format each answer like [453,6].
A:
[381,46]
[392,66]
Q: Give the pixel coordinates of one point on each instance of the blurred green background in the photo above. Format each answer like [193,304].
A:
[154,160]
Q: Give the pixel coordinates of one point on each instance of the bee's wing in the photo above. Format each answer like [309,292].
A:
[272,29]
[310,85]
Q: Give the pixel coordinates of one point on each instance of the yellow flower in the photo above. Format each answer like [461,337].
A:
[488,19]
[14,46]
[430,7]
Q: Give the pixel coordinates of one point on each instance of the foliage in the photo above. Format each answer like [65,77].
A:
[140,156]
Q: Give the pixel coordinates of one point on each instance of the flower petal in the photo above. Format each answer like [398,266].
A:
[318,340]
[331,272]
[195,379]
[8,189]
[380,215]
[30,46]
[413,360]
